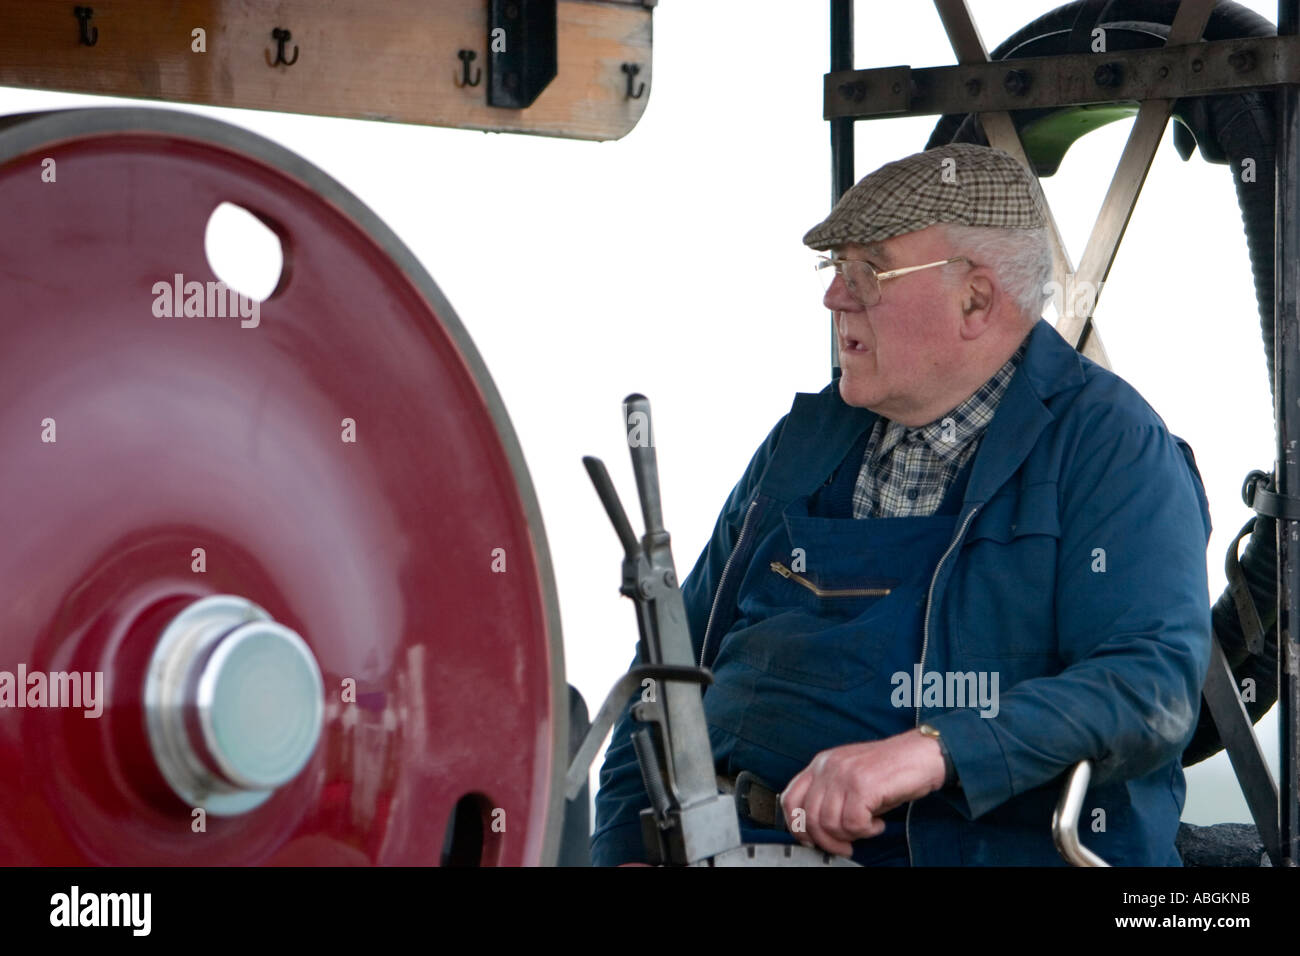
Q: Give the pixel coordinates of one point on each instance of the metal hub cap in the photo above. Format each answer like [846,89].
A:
[233,705]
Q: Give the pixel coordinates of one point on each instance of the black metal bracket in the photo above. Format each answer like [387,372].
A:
[522,51]
[1257,492]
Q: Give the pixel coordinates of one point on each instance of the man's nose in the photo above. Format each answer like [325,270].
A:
[839,299]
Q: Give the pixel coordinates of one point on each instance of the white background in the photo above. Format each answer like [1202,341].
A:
[670,263]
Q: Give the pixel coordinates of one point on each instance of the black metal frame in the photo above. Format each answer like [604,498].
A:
[1069,79]
[841,128]
[1287,386]
[1155,77]
[518,74]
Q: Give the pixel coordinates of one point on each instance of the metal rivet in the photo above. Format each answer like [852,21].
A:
[1108,74]
[855,90]
[1016,82]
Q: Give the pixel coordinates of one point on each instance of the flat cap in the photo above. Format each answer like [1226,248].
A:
[958,183]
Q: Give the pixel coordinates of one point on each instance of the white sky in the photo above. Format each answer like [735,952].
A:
[670,263]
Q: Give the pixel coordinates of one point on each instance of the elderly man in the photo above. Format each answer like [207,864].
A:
[974,560]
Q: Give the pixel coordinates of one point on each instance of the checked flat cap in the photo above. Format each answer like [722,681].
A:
[959,183]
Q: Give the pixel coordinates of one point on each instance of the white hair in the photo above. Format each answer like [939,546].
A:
[1021,259]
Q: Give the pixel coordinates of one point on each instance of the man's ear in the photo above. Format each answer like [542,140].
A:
[977,299]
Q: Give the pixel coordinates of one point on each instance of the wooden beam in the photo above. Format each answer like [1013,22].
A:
[395,60]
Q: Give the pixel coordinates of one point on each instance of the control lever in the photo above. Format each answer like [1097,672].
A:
[688,822]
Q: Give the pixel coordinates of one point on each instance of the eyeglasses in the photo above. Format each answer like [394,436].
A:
[862,280]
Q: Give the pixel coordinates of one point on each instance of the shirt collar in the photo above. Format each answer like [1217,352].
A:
[949,434]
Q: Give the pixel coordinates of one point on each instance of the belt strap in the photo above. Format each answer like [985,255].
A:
[1251,627]
[755,800]
[1258,493]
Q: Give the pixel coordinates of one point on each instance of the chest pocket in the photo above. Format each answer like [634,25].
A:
[1016,514]
[828,633]
[841,600]
[1003,593]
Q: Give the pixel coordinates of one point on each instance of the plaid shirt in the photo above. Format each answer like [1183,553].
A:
[906,471]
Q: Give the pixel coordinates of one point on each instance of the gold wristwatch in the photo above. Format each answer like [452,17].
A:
[949,768]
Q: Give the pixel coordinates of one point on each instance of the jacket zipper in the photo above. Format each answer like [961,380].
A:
[722,580]
[925,643]
[785,572]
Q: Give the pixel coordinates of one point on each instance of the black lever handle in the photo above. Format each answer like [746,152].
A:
[599,475]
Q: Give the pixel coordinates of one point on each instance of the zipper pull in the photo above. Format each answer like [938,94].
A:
[780,569]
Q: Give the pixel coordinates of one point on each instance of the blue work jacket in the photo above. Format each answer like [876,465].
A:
[1076,572]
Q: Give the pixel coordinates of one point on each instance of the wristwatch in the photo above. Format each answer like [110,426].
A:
[949,768]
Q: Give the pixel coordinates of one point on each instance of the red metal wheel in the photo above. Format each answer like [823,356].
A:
[411,561]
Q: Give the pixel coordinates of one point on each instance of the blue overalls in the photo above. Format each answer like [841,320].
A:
[800,672]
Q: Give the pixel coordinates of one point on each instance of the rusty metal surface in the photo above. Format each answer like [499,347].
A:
[1217,66]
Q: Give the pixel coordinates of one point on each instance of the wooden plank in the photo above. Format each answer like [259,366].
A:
[394,60]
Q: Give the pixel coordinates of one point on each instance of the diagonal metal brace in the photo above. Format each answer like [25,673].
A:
[1000,131]
[1075,324]
[1121,197]
[1233,724]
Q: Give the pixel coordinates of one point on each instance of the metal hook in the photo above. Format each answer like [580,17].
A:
[631,69]
[89,34]
[466,58]
[281,37]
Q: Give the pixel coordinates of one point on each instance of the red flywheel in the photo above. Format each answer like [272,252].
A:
[297,567]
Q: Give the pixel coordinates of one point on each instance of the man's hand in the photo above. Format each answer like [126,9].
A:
[845,791]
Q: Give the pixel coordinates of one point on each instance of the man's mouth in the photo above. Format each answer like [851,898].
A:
[847,342]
